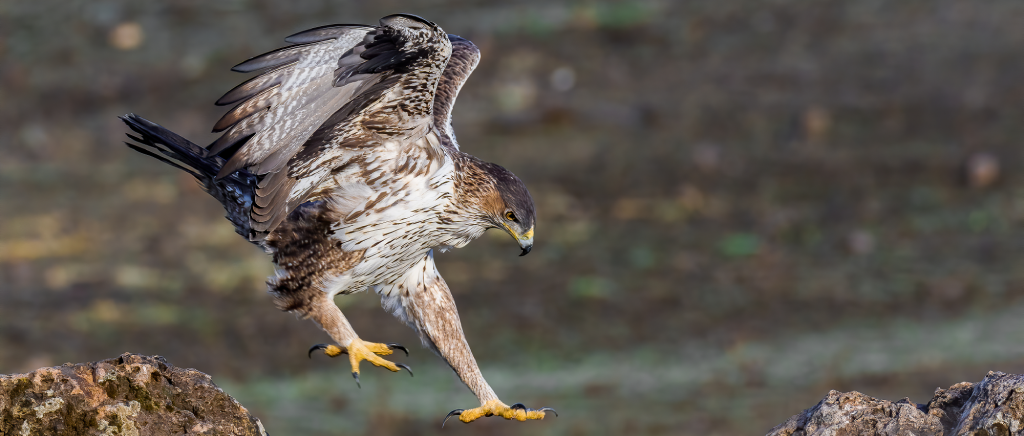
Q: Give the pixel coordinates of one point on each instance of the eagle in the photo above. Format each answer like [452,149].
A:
[340,161]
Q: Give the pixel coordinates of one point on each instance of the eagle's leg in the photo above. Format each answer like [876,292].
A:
[328,316]
[430,309]
[450,342]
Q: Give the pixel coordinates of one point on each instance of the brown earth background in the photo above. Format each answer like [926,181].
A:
[742,205]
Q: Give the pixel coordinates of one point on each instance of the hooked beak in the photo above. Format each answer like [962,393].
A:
[525,240]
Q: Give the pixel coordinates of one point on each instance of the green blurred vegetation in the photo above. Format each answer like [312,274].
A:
[742,204]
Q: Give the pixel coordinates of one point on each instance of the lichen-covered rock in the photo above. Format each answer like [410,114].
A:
[131,395]
[995,406]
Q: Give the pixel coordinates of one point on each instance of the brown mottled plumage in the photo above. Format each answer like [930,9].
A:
[339,159]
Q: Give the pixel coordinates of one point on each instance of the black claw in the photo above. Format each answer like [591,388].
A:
[398,347]
[520,406]
[316,347]
[451,414]
[405,368]
[355,375]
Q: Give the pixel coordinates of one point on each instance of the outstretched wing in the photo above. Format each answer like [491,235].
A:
[343,96]
[464,59]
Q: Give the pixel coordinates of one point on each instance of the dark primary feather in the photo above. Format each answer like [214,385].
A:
[317,34]
[249,88]
[251,105]
[273,59]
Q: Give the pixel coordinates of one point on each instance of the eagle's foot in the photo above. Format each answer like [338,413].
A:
[358,351]
[376,348]
[494,407]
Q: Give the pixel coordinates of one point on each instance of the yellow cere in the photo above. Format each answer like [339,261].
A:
[528,234]
[524,236]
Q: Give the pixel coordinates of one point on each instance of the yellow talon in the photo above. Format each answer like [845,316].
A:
[358,351]
[497,408]
[333,350]
[378,348]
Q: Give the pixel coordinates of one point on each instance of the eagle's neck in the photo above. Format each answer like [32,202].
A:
[466,215]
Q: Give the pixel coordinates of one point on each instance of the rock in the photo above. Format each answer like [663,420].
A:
[995,406]
[130,395]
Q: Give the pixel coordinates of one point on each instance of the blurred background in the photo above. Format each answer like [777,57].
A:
[742,205]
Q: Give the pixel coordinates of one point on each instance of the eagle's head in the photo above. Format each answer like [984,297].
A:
[510,206]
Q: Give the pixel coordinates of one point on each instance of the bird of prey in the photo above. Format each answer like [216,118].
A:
[339,160]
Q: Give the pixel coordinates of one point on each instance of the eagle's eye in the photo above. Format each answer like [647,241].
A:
[510,216]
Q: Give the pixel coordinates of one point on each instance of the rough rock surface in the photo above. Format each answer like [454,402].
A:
[993,407]
[129,395]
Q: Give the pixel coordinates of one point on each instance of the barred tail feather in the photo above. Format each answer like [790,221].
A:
[234,191]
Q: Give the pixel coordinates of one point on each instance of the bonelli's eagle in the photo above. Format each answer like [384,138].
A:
[339,160]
